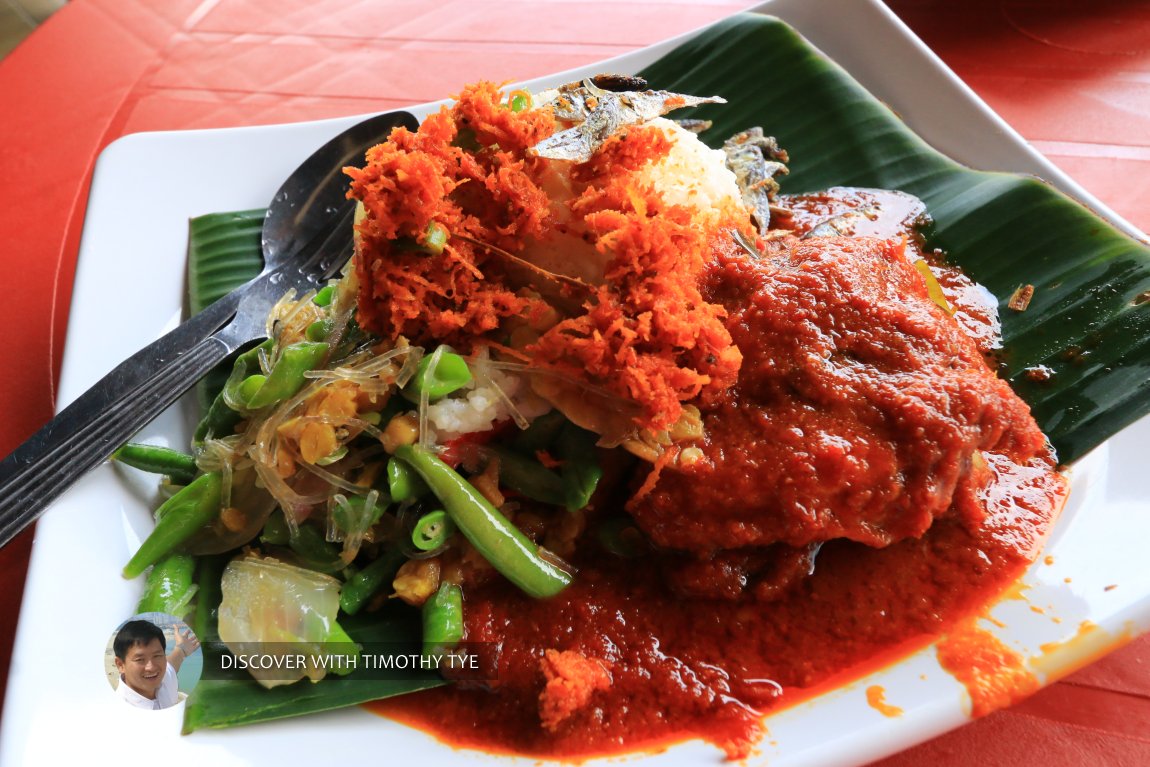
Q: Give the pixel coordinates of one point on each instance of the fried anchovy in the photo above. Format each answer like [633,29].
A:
[755,160]
[620,83]
[601,114]
[694,126]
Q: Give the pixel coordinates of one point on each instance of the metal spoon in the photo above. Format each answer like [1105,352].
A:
[306,239]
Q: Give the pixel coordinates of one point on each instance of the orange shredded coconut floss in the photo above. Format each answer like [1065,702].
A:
[646,334]
[572,680]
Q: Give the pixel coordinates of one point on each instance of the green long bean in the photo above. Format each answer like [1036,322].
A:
[443,620]
[502,544]
[180,467]
[209,571]
[580,470]
[439,374]
[177,520]
[221,418]
[403,483]
[529,477]
[287,375]
[367,582]
[170,586]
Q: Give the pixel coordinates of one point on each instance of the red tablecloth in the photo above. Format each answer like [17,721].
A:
[1072,77]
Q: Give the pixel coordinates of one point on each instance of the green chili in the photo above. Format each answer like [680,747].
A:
[180,467]
[432,530]
[439,374]
[443,620]
[169,587]
[362,586]
[528,566]
[177,520]
[403,483]
[519,100]
[287,375]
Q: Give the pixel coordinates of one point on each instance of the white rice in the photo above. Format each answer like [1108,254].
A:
[488,399]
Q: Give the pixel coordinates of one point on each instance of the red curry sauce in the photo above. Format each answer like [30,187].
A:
[868,482]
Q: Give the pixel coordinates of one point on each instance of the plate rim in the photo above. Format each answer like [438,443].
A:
[73,373]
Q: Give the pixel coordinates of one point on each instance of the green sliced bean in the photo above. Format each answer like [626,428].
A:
[324,295]
[180,517]
[170,586]
[432,530]
[319,330]
[314,551]
[443,620]
[287,375]
[180,467]
[541,433]
[276,531]
[439,374]
[249,386]
[580,471]
[528,566]
[209,571]
[528,477]
[221,418]
[403,483]
[362,586]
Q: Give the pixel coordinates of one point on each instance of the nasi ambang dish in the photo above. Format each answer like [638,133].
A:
[661,445]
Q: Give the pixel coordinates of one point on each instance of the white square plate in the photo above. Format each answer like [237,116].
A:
[129,287]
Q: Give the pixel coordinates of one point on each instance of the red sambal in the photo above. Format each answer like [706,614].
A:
[867,483]
[860,480]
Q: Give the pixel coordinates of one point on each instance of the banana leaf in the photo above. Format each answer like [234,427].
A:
[223,253]
[222,702]
[1088,321]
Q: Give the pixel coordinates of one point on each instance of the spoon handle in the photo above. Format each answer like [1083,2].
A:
[105,416]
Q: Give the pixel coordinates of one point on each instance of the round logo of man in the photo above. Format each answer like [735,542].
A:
[147,669]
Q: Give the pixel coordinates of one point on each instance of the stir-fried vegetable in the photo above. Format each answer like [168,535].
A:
[509,551]
[177,520]
[335,465]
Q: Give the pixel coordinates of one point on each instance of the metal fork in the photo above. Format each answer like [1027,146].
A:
[91,428]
